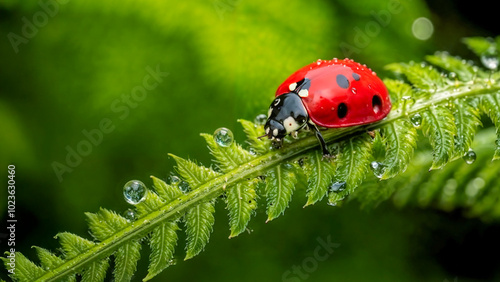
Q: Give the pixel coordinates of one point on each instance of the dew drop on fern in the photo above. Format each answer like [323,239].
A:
[184,186]
[490,61]
[470,157]
[338,187]
[223,137]
[378,169]
[260,119]
[134,192]
[130,215]
[174,179]
[416,120]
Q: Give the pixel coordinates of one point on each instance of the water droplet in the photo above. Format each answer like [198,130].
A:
[260,119]
[354,90]
[130,215]
[378,169]
[470,157]
[318,62]
[174,179]
[490,61]
[184,186]
[223,137]
[416,120]
[134,192]
[338,187]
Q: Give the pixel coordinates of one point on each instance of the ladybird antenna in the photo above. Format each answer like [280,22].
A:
[260,137]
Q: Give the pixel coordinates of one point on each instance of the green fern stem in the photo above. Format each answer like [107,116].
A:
[216,186]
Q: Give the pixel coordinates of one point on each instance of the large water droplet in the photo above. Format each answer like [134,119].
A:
[490,61]
[378,169]
[223,137]
[338,187]
[260,119]
[134,192]
[416,120]
[130,215]
[470,157]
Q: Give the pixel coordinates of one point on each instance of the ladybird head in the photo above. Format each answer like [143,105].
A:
[286,115]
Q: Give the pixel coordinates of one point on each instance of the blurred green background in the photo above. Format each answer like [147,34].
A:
[123,83]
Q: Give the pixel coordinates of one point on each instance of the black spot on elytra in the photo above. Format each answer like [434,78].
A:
[342,81]
[342,110]
[355,76]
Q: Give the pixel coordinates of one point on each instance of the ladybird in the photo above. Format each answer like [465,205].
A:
[329,94]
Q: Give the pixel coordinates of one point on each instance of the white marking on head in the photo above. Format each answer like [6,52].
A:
[275,132]
[269,112]
[267,130]
[290,124]
[304,93]
[276,101]
[292,86]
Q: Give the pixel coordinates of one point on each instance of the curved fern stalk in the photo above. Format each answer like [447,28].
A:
[426,95]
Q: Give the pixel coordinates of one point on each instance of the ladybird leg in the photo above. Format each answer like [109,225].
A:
[320,139]
[371,133]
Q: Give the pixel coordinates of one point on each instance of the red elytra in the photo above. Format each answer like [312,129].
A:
[340,93]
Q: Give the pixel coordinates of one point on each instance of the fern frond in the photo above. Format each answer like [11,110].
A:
[422,76]
[438,125]
[253,132]
[401,139]
[25,270]
[199,222]
[467,119]
[490,104]
[241,202]
[165,191]
[227,158]
[162,243]
[126,258]
[352,167]
[448,95]
[459,69]
[320,173]
[280,182]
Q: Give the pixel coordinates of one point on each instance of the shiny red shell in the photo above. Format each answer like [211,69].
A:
[341,93]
